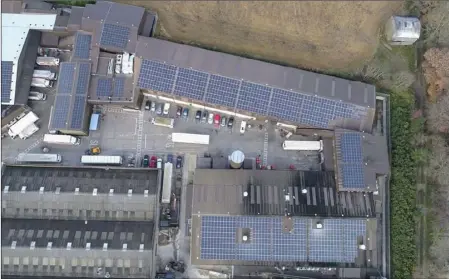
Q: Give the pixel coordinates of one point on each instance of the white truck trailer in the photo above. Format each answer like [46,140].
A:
[41,83]
[22,124]
[167,183]
[45,74]
[47,61]
[163,122]
[303,145]
[37,96]
[39,158]
[61,139]
[190,138]
[101,160]
[28,131]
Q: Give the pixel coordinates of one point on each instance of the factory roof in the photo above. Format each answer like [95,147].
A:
[288,94]
[86,179]
[15,29]
[64,234]
[360,158]
[276,192]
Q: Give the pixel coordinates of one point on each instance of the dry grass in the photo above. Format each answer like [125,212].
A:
[332,35]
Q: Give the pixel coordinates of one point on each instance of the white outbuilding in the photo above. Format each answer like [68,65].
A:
[401,30]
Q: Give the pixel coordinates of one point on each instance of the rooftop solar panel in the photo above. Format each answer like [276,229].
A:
[317,112]
[60,112]
[114,36]
[156,76]
[78,112]
[7,67]
[119,87]
[351,147]
[104,87]
[66,75]
[286,105]
[222,91]
[82,46]
[254,98]
[83,79]
[353,176]
[190,84]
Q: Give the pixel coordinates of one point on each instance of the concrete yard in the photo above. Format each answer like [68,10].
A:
[131,134]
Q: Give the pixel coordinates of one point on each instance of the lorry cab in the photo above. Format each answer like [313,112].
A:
[166,108]
[243,127]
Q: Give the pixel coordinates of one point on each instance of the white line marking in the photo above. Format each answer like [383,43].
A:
[145,141]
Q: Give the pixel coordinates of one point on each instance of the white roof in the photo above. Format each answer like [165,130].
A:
[15,29]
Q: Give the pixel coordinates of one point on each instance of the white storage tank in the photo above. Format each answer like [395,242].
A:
[236,159]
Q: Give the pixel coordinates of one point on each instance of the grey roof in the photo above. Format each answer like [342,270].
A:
[67,179]
[289,80]
[360,158]
[218,191]
[61,232]
[70,107]
[13,7]
[75,18]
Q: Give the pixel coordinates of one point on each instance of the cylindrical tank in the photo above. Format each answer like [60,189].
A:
[236,159]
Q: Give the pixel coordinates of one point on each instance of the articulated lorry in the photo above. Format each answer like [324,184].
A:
[39,158]
[41,83]
[45,74]
[101,160]
[47,61]
[28,131]
[61,139]
[303,145]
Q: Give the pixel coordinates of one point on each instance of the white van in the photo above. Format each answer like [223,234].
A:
[243,127]
[166,108]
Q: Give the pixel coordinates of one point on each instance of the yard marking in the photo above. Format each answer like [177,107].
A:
[139,137]
[29,148]
[145,141]
[265,149]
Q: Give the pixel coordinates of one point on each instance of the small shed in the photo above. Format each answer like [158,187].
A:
[94,122]
[401,30]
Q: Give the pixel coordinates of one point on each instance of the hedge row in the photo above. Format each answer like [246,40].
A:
[402,189]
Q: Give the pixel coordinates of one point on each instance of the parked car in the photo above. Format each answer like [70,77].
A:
[159,163]
[170,158]
[223,121]
[178,111]
[231,122]
[217,121]
[204,117]
[198,116]
[159,109]
[147,105]
[243,127]
[210,120]
[166,108]
[153,162]
[178,162]
[185,113]
[153,106]
[146,161]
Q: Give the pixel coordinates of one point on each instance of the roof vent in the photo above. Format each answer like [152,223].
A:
[130,192]
[287,197]
[77,191]
[362,247]
[304,191]
[125,247]
[245,194]
[58,190]
[41,190]
[6,190]
[245,238]
[141,246]
[13,245]
[94,192]
[145,193]
[69,245]
[111,192]
[105,246]
[23,190]
[88,246]
[49,244]
[319,225]
[32,245]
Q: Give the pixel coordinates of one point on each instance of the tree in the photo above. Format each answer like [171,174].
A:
[436,71]
[438,115]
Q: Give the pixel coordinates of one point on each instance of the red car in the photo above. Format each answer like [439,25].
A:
[217,121]
[153,162]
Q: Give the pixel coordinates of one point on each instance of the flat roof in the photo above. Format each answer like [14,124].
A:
[67,179]
[276,192]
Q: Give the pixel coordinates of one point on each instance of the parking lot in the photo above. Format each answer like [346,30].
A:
[131,134]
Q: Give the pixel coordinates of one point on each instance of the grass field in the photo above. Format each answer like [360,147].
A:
[316,35]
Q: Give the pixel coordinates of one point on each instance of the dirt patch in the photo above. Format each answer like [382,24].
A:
[315,35]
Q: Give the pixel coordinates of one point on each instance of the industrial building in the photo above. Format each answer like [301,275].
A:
[78,221]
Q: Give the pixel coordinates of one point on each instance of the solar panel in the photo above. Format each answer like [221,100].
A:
[353,229]
[78,112]
[6,80]
[222,91]
[66,74]
[156,76]
[83,79]
[317,112]
[351,147]
[60,112]
[343,110]
[285,105]
[82,46]
[289,246]
[104,87]
[326,244]
[114,35]
[119,87]
[190,84]
[254,98]
[353,176]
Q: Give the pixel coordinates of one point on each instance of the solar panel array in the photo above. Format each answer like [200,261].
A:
[82,46]
[82,82]
[114,36]
[286,105]
[119,87]
[104,87]
[66,76]
[6,80]
[60,111]
[335,243]
[351,160]
[78,112]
